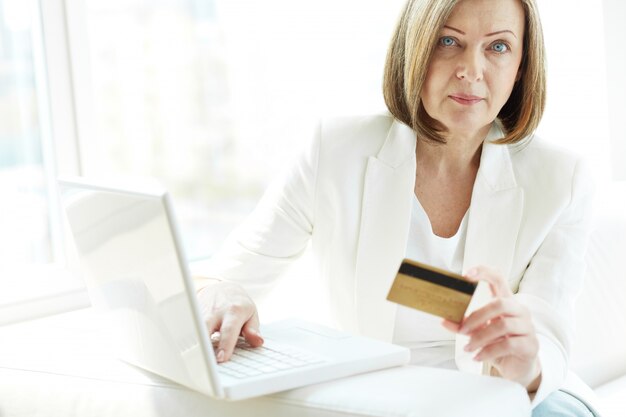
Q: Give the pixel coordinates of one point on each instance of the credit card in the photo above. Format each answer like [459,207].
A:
[432,290]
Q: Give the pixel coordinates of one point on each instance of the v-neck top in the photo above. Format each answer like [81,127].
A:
[423,333]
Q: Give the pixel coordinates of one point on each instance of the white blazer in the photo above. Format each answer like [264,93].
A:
[350,194]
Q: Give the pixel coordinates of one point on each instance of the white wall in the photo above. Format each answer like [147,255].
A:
[615,34]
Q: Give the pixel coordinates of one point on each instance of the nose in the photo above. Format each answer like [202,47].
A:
[470,67]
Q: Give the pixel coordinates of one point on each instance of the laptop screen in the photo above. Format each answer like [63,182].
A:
[130,259]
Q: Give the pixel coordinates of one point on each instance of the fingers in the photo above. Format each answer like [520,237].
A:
[502,327]
[229,335]
[250,332]
[213,324]
[450,325]
[499,286]
[491,311]
[232,323]
[501,332]
[228,313]
[519,346]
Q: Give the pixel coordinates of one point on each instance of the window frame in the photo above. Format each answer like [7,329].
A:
[60,152]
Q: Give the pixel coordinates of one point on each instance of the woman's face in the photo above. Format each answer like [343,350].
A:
[475,64]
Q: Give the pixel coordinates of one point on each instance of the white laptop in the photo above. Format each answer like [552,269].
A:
[131,258]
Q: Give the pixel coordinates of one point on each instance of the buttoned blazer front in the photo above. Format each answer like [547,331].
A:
[350,193]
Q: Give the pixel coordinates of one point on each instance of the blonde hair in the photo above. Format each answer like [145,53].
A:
[409,54]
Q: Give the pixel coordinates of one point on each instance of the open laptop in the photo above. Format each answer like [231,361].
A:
[131,258]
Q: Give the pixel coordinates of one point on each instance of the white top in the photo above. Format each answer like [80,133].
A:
[430,343]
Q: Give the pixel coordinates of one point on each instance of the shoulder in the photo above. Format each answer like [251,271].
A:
[545,159]
[546,169]
[346,144]
[540,153]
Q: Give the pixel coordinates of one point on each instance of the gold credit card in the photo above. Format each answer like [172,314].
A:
[432,290]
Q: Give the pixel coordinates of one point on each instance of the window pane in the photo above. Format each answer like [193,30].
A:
[213,96]
[160,103]
[25,236]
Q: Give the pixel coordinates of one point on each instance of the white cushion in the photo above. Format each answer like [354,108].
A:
[599,351]
[613,397]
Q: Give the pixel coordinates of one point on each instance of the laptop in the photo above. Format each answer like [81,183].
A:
[129,253]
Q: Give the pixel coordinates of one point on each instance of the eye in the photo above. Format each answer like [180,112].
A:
[447,41]
[500,47]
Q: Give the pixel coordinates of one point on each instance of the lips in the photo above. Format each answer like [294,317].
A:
[466,99]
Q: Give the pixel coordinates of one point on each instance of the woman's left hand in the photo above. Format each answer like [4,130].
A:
[502,332]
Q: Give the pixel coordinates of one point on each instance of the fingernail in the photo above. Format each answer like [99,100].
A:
[258,334]
[220,355]
[477,358]
[467,348]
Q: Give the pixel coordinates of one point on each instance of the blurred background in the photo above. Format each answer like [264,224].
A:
[212,97]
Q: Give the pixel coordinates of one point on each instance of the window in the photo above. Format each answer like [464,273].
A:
[211,96]
[26,225]
[32,262]
[159,104]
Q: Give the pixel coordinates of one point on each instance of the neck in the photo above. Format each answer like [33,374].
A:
[459,155]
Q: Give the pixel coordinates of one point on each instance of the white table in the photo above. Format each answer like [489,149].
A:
[62,366]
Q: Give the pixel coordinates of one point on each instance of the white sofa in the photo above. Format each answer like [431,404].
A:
[599,355]
[62,366]
[59,366]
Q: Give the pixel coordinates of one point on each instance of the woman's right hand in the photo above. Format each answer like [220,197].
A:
[226,308]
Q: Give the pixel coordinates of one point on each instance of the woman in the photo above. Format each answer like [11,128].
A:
[453,178]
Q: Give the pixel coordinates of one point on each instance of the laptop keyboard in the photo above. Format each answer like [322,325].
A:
[247,361]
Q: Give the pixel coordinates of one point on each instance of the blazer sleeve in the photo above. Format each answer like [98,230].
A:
[554,279]
[275,234]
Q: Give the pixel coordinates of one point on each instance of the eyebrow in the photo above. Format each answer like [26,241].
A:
[488,34]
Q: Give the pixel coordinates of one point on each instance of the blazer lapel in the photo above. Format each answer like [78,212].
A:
[385,217]
[493,225]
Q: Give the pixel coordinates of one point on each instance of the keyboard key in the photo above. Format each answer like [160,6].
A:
[249,362]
